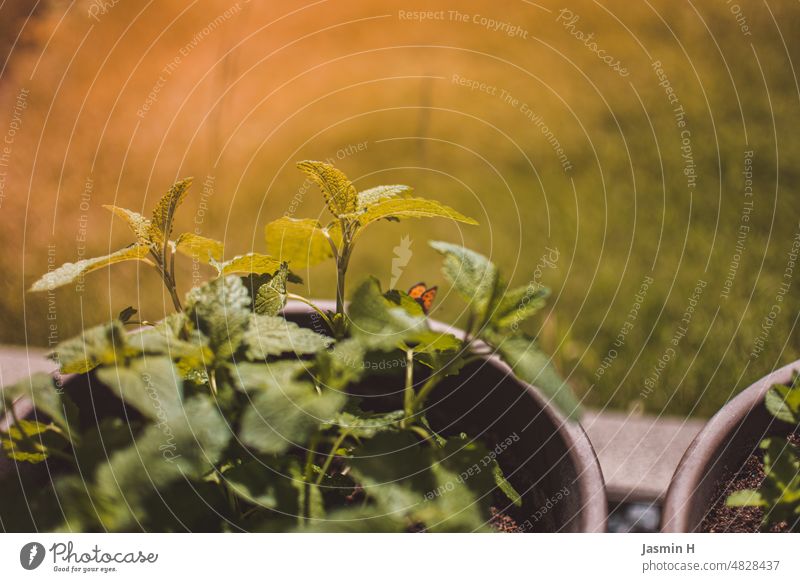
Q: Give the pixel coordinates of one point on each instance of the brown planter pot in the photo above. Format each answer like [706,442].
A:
[552,463]
[719,450]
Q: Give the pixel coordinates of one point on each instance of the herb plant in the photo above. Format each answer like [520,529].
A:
[779,494]
[229,416]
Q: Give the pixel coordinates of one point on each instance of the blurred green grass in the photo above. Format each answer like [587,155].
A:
[271,85]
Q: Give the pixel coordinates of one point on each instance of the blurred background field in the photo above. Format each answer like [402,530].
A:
[673,287]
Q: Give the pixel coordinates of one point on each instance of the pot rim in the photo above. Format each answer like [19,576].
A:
[717,431]
[590,481]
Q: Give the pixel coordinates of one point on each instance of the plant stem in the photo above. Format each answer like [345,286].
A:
[321,313]
[167,278]
[408,392]
[425,391]
[307,474]
[329,459]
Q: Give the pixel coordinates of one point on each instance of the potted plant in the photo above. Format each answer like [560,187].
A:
[742,471]
[252,408]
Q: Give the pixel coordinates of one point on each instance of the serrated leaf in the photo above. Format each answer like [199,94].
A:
[164,212]
[220,310]
[40,389]
[340,194]
[272,336]
[369,425]
[69,272]
[472,275]
[411,208]
[372,196]
[532,366]
[379,323]
[271,296]
[187,445]
[301,242]
[251,263]
[103,344]
[279,418]
[137,223]
[152,386]
[517,305]
[199,247]
[32,446]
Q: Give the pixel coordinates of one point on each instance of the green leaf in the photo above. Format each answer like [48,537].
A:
[220,310]
[40,389]
[103,344]
[271,296]
[783,402]
[745,498]
[185,446]
[281,417]
[265,484]
[532,366]
[411,208]
[153,386]
[252,377]
[255,263]
[366,427]
[199,247]
[379,323]
[342,365]
[472,275]
[516,306]
[31,447]
[357,520]
[69,272]
[137,223]
[164,212]
[504,486]
[340,194]
[272,336]
[372,196]
[301,242]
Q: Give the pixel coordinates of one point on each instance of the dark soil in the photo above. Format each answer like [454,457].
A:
[724,519]
[503,523]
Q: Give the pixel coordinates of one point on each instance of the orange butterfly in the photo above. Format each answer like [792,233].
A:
[422,295]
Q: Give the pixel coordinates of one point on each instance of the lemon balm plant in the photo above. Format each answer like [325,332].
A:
[228,415]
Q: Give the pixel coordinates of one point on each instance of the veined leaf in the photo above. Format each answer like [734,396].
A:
[42,392]
[300,242]
[745,498]
[164,212]
[379,323]
[152,386]
[102,344]
[32,446]
[271,296]
[472,275]
[220,310]
[69,272]
[199,247]
[532,366]
[411,208]
[272,336]
[255,263]
[783,402]
[517,305]
[371,196]
[138,223]
[278,419]
[340,194]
